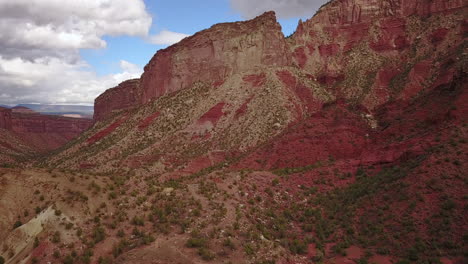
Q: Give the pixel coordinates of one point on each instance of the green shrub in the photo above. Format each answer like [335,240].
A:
[56,237]
[298,247]
[206,254]
[36,242]
[196,242]
[99,234]
[229,244]
[68,260]
[17,224]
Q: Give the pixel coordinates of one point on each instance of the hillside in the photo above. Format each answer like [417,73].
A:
[343,143]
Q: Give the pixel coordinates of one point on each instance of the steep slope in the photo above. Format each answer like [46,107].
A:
[232,80]
[349,51]
[372,52]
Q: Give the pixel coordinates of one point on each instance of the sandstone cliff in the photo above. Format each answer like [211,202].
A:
[371,51]
[215,54]
[124,96]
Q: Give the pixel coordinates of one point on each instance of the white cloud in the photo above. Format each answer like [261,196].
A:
[40,42]
[167,37]
[283,8]
[58,27]
[52,80]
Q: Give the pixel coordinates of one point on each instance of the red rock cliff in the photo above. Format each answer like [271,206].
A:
[356,47]
[214,54]
[125,95]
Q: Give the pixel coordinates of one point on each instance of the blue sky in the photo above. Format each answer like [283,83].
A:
[184,16]
[69,52]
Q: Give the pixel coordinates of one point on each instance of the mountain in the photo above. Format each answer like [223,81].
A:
[76,110]
[343,143]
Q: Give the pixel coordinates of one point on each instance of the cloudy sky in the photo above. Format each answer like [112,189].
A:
[68,52]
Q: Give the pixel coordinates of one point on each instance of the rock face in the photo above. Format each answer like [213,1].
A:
[125,95]
[357,46]
[215,54]
[214,85]
[330,47]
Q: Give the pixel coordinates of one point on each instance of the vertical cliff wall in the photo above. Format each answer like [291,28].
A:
[214,54]
[125,95]
[371,51]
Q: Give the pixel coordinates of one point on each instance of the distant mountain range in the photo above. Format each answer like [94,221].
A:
[68,110]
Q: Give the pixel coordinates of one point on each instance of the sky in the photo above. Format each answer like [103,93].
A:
[70,51]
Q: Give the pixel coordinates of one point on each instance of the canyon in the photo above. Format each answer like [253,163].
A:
[26,133]
[345,142]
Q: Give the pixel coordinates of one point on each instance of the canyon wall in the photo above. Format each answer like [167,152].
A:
[356,47]
[125,95]
[353,47]
[214,54]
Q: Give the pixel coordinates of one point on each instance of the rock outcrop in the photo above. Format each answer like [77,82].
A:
[124,96]
[357,47]
[215,54]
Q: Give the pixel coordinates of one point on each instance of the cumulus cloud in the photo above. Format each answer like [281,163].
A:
[52,80]
[57,27]
[283,8]
[40,42]
[167,38]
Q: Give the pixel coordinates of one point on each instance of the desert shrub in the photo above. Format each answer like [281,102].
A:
[138,221]
[120,233]
[298,247]
[36,242]
[118,248]
[68,260]
[2,260]
[17,224]
[206,254]
[229,244]
[249,249]
[56,237]
[99,234]
[196,242]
